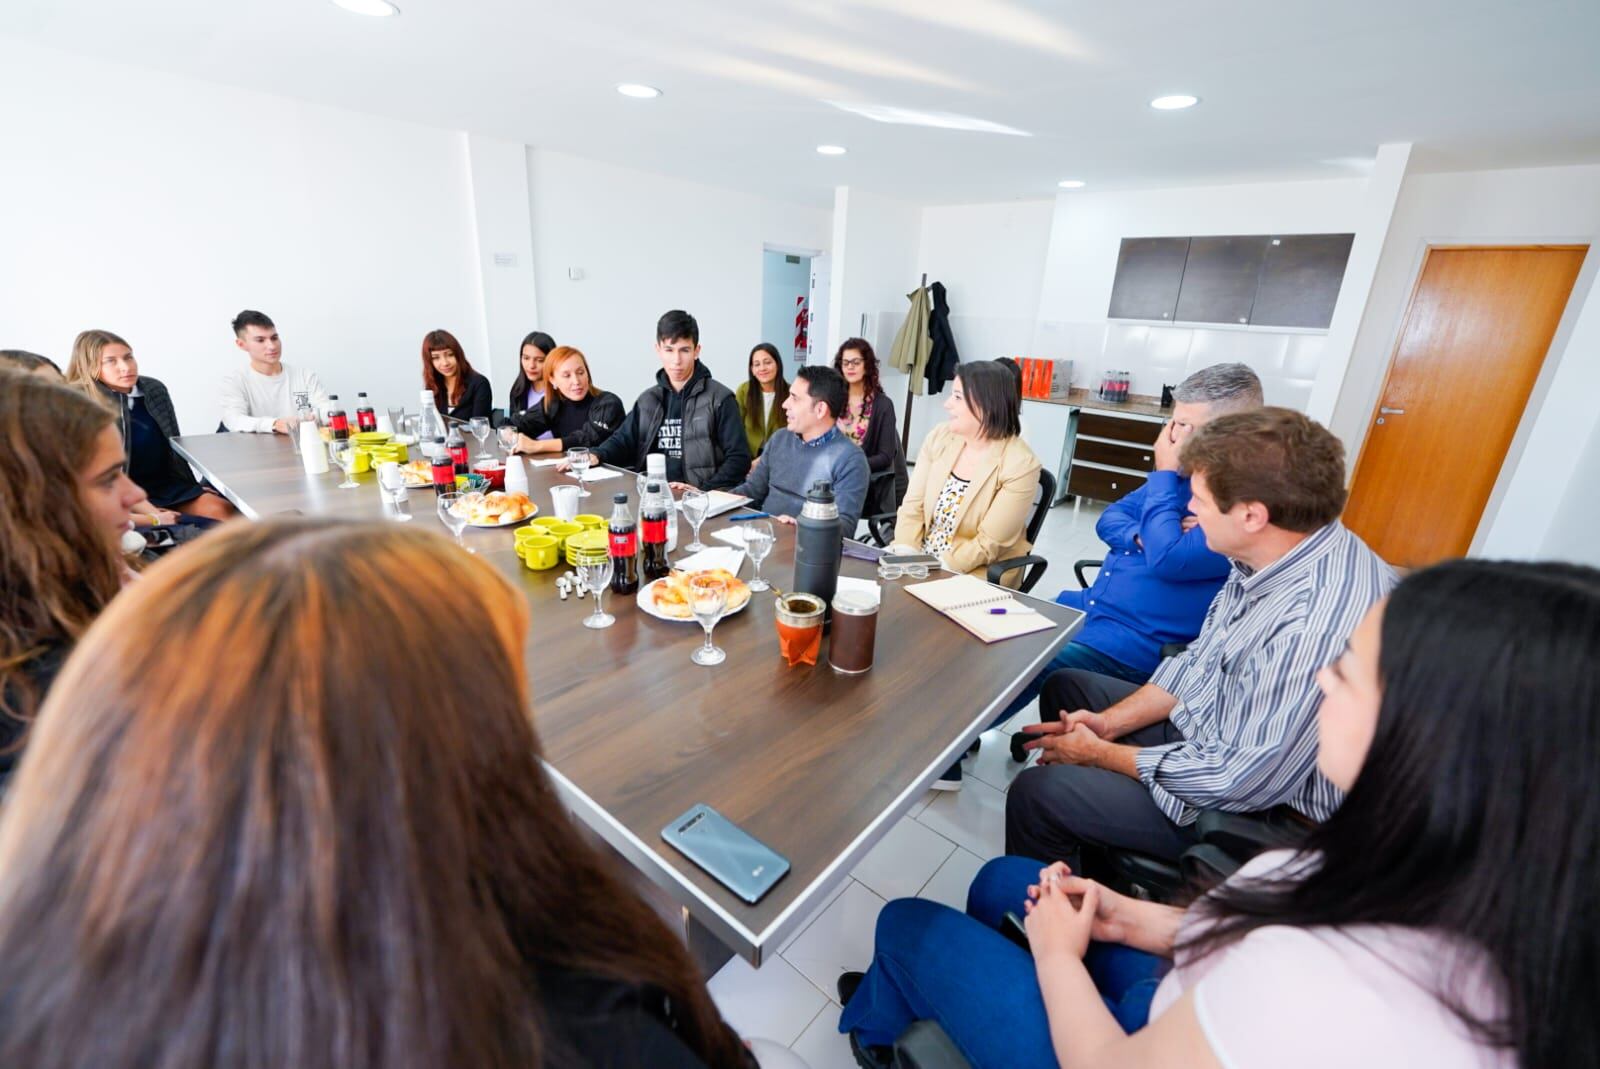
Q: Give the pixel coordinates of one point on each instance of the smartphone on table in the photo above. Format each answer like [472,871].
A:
[732,856]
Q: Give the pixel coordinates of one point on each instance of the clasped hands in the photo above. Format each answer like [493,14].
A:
[1065,912]
[1078,738]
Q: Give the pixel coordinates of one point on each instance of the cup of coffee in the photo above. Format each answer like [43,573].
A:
[564,499]
[800,628]
[855,632]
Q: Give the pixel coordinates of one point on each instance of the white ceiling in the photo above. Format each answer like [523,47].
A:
[1290,88]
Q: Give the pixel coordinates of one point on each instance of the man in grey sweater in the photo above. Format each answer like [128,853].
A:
[810,449]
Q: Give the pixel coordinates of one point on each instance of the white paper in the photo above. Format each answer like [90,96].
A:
[716,557]
[594,475]
[868,587]
[734,536]
[545,462]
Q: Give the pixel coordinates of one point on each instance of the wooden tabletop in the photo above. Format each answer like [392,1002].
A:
[816,764]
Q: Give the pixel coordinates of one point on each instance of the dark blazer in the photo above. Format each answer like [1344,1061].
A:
[605,415]
[942,360]
[25,691]
[881,444]
[477,399]
[158,402]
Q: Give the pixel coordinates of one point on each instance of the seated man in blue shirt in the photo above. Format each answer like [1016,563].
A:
[810,449]
[1159,576]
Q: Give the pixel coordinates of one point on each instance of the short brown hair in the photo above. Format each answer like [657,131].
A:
[1287,461]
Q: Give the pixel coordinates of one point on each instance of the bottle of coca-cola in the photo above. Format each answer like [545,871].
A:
[366,415]
[624,548]
[458,449]
[653,532]
[444,469]
[338,422]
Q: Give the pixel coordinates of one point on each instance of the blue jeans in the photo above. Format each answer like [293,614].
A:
[932,963]
[1072,655]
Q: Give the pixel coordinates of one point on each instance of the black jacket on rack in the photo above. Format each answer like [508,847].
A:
[943,359]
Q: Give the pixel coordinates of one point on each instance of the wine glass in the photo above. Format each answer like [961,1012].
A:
[758,543]
[453,519]
[708,596]
[578,460]
[595,572]
[508,437]
[479,426]
[343,452]
[695,506]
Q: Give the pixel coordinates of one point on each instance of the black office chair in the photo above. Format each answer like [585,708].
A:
[880,526]
[497,416]
[1227,841]
[1033,564]
[924,1045]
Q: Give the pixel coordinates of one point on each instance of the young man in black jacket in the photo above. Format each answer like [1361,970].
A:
[687,415]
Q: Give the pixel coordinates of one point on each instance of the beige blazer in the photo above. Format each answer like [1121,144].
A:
[992,524]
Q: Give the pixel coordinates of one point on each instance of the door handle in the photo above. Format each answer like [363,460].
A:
[1391,411]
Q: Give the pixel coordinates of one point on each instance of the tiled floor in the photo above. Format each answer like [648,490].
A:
[934,852]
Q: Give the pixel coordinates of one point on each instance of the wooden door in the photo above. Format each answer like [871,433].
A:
[1473,340]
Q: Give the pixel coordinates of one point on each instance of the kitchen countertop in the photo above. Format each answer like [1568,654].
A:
[1135,405]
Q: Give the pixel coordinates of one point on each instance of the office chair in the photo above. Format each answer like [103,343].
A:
[1034,565]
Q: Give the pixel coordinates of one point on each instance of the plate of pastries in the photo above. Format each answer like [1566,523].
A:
[667,598]
[418,473]
[495,509]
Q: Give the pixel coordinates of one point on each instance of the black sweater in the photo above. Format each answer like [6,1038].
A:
[587,422]
[477,399]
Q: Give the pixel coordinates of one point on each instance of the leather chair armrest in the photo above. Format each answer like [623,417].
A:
[925,1045]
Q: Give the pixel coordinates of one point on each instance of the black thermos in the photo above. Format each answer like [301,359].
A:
[819,545]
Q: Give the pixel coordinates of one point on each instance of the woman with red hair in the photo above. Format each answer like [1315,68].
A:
[458,391]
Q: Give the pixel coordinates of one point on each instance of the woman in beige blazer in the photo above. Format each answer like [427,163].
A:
[974,485]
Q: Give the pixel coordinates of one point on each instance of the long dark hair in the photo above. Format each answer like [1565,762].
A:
[1475,814]
[870,384]
[754,410]
[432,380]
[520,385]
[322,855]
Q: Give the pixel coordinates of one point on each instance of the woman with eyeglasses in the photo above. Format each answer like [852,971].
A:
[868,420]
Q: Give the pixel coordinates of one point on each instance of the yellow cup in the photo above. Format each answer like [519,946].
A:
[539,552]
[543,522]
[363,462]
[589,521]
[561,529]
[522,535]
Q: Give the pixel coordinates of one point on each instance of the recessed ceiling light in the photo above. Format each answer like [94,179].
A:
[1176,102]
[638,92]
[378,8]
[831,150]
[1071,183]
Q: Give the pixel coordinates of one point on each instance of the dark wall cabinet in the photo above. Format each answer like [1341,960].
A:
[1289,280]
[1149,274]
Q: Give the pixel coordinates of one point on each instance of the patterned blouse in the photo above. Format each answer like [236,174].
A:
[943,528]
[854,420]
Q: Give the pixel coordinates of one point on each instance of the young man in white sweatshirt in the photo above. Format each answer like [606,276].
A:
[260,396]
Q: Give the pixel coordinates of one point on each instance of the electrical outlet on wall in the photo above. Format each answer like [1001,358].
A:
[575,274]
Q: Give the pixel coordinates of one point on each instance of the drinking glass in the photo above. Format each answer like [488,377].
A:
[758,543]
[708,596]
[508,437]
[457,522]
[596,575]
[343,452]
[479,426]
[579,459]
[392,478]
[695,506]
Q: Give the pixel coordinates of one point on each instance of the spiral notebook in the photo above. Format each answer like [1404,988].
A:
[970,602]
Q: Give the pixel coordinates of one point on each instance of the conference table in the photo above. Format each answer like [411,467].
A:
[816,764]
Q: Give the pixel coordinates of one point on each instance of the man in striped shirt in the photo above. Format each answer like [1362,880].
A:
[1230,723]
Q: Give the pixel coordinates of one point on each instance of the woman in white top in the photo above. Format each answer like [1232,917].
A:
[1443,916]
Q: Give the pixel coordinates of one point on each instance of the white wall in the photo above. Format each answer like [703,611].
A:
[1575,530]
[782,284]
[158,207]
[1554,205]
[647,243]
[503,244]
[874,266]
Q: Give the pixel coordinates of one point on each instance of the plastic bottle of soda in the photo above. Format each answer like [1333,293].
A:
[653,532]
[366,415]
[338,422]
[443,467]
[458,449]
[624,547]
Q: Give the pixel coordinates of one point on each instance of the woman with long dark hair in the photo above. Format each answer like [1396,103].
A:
[761,397]
[65,503]
[528,388]
[1443,916]
[104,367]
[330,855]
[573,412]
[868,420]
[458,391]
